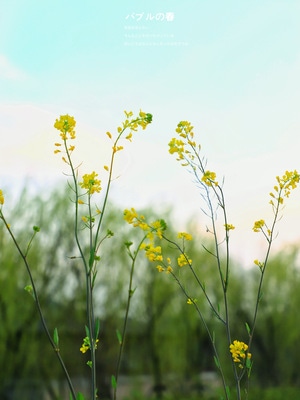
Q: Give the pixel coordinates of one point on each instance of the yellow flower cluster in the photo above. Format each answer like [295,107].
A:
[151,252]
[258,225]
[66,125]
[187,152]
[133,123]
[239,352]
[86,345]
[1,197]
[229,227]
[155,228]
[91,183]
[284,186]
[179,146]
[191,301]
[209,178]
[259,264]
[185,236]
[152,231]
[183,260]
[132,217]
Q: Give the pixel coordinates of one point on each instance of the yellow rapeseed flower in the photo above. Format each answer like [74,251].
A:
[229,227]
[238,351]
[1,197]
[66,125]
[183,260]
[209,178]
[185,236]
[90,183]
[130,215]
[258,225]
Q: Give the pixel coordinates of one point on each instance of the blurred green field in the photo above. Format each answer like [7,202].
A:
[165,337]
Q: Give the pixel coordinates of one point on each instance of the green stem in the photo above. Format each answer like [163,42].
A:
[89,295]
[211,338]
[39,308]
[130,294]
[263,271]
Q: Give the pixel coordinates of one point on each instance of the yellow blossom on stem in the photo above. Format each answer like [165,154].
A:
[229,227]
[185,236]
[183,260]
[258,225]
[117,148]
[130,215]
[259,264]
[153,253]
[1,197]
[66,125]
[285,184]
[209,178]
[86,345]
[90,183]
[128,114]
[176,146]
[239,352]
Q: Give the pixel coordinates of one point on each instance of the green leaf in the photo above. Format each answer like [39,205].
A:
[248,328]
[227,391]
[55,337]
[128,244]
[29,290]
[80,396]
[248,363]
[119,336]
[217,362]
[149,118]
[109,233]
[113,382]
[87,331]
[97,328]
[163,224]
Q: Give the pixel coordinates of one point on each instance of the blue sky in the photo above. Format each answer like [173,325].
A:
[230,67]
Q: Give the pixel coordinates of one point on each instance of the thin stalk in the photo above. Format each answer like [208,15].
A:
[217,314]
[211,338]
[89,296]
[39,308]
[130,294]
[263,271]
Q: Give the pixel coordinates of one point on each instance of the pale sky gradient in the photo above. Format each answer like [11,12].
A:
[230,67]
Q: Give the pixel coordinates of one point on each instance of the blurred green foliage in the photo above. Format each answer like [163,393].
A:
[165,337]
